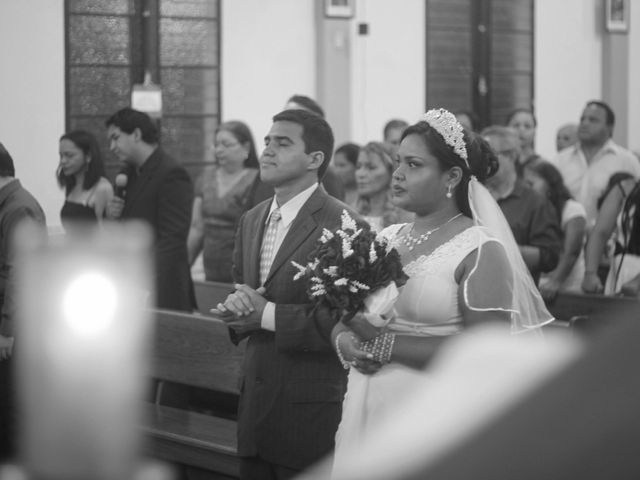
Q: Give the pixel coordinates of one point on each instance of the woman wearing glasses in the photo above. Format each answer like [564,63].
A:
[222,195]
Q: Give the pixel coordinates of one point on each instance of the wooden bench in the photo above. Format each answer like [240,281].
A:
[195,351]
[209,294]
[587,313]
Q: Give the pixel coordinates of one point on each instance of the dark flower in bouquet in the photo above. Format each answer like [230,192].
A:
[348,266]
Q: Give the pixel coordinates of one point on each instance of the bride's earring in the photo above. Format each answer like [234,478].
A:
[449,194]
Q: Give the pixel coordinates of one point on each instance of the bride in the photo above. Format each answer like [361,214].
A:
[464,269]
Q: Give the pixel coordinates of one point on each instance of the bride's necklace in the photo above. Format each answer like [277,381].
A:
[412,242]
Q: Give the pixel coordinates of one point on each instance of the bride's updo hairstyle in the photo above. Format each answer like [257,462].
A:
[481,161]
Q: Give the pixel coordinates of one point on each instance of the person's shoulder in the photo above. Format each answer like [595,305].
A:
[165,160]
[563,155]
[23,195]
[530,195]
[23,204]
[337,207]
[490,243]
[174,171]
[258,209]
[104,185]
[628,184]
[573,209]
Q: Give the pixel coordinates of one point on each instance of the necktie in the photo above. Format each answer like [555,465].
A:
[268,245]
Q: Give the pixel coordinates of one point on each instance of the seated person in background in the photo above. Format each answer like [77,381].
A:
[373,178]
[545,179]
[566,136]
[619,216]
[331,183]
[81,174]
[532,219]
[392,132]
[587,166]
[523,121]
[222,195]
[468,120]
[343,165]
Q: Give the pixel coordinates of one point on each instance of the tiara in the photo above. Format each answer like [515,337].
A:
[447,125]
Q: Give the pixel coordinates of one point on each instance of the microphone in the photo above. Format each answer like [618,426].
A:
[121,185]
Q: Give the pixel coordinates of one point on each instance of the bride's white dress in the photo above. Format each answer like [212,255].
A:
[427,306]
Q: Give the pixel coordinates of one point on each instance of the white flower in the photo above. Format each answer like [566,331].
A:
[373,256]
[313,265]
[302,270]
[316,280]
[359,286]
[331,271]
[347,251]
[341,282]
[319,292]
[326,235]
[356,233]
[347,221]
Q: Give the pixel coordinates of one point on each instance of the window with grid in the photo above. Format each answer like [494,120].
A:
[480,56]
[110,44]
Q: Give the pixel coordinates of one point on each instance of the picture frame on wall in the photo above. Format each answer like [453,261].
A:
[617,16]
[339,8]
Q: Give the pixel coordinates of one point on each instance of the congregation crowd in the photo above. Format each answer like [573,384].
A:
[249,215]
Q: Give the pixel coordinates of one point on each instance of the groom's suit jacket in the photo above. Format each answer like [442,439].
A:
[293,385]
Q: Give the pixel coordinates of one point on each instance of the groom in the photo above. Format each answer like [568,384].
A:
[291,400]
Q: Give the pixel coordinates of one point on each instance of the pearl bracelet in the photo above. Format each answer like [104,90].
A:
[346,365]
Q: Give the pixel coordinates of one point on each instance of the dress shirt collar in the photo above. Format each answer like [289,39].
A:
[289,210]
[609,147]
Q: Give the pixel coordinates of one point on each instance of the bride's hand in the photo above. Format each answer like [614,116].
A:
[362,361]
[363,328]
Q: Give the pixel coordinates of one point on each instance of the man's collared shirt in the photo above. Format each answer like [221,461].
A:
[288,212]
[587,182]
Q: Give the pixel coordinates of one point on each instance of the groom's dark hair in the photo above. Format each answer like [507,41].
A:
[316,133]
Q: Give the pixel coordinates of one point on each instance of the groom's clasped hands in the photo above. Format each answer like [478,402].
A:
[242,309]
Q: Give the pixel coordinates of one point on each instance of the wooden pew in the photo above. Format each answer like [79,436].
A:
[209,294]
[193,350]
[587,313]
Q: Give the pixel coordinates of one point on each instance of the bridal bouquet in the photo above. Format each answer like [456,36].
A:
[353,269]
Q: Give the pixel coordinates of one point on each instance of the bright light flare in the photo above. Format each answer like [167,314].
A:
[89,304]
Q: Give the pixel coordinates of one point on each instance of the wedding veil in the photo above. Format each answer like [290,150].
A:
[528,309]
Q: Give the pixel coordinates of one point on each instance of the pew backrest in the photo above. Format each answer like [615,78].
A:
[584,311]
[195,350]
